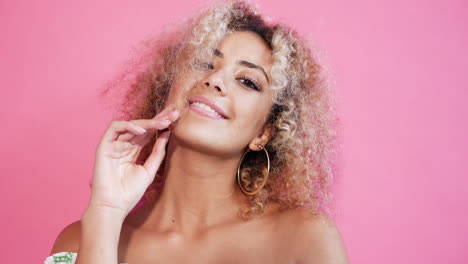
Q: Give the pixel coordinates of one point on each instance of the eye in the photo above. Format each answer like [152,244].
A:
[250,82]
[204,66]
[208,65]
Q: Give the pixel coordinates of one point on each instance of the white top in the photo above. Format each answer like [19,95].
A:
[63,258]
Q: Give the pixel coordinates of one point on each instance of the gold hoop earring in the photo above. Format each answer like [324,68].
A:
[265,178]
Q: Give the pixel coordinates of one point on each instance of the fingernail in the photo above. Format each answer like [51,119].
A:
[167,121]
[142,130]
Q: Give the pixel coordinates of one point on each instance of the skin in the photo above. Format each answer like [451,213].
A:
[194,220]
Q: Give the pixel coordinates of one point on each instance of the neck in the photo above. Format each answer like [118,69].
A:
[199,190]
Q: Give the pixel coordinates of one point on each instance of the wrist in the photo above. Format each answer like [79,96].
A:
[100,234]
[94,212]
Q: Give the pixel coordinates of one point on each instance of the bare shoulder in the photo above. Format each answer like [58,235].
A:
[314,237]
[69,239]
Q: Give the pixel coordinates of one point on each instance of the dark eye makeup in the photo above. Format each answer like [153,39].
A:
[202,66]
[250,82]
[207,66]
[245,80]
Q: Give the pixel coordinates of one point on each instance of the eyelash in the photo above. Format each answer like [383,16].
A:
[206,65]
[255,84]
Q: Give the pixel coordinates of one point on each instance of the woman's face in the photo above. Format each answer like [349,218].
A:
[229,97]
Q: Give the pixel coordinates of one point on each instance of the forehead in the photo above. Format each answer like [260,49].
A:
[246,45]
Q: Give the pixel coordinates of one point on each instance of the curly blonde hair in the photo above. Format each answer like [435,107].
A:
[302,147]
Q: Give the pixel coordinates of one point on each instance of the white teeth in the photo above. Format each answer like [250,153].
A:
[204,106]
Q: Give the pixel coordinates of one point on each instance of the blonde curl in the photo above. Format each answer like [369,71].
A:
[302,148]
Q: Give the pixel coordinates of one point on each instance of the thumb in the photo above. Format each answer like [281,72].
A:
[157,155]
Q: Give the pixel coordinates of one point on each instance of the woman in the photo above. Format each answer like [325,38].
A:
[229,139]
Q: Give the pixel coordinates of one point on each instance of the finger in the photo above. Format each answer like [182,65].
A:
[117,127]
[152,124]
[174,115]
[153,162]
[125,136]
[116,149]
[131,133]
[121,148]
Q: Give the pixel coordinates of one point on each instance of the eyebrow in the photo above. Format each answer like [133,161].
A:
[244,63]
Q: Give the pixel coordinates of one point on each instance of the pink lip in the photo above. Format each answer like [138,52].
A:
[208,102]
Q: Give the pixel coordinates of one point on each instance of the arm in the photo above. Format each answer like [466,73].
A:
[100,235]
[119,183]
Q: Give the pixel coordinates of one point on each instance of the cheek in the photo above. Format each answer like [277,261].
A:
[251,115]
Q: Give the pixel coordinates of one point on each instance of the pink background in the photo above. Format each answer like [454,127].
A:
[400,77]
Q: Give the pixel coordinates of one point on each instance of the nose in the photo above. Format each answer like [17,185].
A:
[215,81]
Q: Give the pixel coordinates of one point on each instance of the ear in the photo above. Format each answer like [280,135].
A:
[262,139]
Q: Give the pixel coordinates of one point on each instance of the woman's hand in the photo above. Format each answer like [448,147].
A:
[119,183]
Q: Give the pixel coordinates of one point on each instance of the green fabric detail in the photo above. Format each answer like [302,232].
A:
[67,258]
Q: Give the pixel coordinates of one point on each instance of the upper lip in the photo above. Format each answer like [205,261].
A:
[210,103]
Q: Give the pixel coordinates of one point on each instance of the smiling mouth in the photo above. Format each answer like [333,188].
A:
[205,110]
[207,107]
